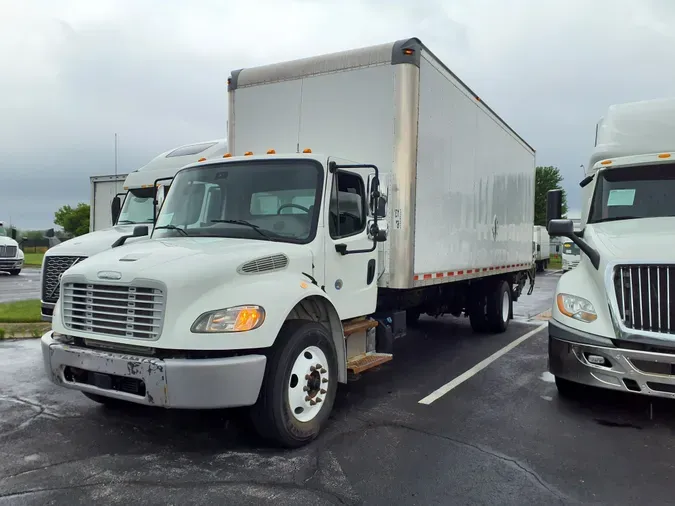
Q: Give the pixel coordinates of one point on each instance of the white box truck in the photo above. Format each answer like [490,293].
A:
[542,244]
[11,255]
[103,190]
[366,187]
[118,213]
[613,317]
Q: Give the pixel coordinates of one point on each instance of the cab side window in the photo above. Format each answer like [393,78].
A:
[347,214]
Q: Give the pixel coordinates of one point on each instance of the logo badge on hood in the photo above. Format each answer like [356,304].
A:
[114,275]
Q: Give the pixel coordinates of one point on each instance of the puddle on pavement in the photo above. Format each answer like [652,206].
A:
[547,377]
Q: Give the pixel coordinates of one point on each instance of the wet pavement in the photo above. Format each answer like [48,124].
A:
[503,436]
[22,287]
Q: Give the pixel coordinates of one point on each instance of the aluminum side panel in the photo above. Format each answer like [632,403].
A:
[475,182]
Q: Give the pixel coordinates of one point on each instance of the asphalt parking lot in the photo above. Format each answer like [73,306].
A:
[22,287]
[502,436]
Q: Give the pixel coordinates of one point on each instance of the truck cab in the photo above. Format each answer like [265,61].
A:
[613,317]
[136,206]
[11,256]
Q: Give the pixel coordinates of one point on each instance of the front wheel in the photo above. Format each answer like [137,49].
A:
[14,272]
[298,391]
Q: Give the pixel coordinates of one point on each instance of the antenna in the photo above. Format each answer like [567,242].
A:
[115,155]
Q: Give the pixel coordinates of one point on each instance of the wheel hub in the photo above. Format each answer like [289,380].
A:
[308,383]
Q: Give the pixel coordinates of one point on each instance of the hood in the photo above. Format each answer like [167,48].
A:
[180,261]
[649,239]
[94,242]
[8,241]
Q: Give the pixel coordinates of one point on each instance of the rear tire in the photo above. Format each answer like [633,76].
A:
[477,311]
[412,317]
[14,272]
[283,413]
[499,307]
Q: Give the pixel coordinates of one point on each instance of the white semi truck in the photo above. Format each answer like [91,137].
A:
[542,248]
[11,255]
[613,317]
[366,187]
[134,206]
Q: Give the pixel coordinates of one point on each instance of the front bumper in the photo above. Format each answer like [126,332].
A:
[170,383]
[643,372]
[10,264]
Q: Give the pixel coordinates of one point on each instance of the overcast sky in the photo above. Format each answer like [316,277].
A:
[74,72]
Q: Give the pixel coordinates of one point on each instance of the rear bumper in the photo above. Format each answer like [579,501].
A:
[641,372]
[170,383]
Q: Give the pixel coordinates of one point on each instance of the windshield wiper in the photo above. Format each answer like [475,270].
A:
[245,223]
[173,227]
[126,222]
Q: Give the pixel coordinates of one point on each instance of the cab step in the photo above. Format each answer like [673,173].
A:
[362,363]
[355,326]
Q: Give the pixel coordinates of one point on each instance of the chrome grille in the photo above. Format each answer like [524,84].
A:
[644,294]
[7,251]
[54,266]
[113,310]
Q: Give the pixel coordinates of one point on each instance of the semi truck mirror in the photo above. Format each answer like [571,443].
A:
[561,228]
[553,205]
[115,209]
[381,208]
[12,233]
[140,230]
[49,233]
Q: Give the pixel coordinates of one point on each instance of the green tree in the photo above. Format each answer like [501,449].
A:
[74,221]
[547,178]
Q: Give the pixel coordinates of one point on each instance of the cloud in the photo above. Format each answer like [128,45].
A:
[75,72]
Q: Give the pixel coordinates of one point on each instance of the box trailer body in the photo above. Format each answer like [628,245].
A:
[613,319]
[542,244]
[362,189]
[460,180]
[103,191]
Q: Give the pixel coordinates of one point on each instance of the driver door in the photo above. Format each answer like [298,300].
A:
[351,278]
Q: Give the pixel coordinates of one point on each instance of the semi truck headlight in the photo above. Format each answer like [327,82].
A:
[576,307]
[231,319]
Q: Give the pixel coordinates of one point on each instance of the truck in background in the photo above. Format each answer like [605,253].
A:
[275,273]
[11,255]
[103,190]
[542,244]
[135,206]
[613,317]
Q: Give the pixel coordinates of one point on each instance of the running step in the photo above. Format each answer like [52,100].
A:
[364,362]
[355,326]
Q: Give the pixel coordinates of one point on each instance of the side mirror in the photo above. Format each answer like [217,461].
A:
[12,233]
[24,239]
[381,207]
[140,231]
[49,233]
[115,209]
[561,228]
[553,205]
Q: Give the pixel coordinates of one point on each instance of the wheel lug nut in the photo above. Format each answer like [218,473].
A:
[308,398]
[319,366]
[307,376]
[312,368]
[312,403]
[324,380]
[323,391]
[318,399]
[323,371]
[305,389]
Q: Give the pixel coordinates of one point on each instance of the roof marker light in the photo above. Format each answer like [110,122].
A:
[271,152]
[664,155]
[227,155]
[248,153]
[202,159]
[306,150]
[606,162]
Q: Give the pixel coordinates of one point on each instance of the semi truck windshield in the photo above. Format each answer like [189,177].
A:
[627,193]
[137,207]
[275,200]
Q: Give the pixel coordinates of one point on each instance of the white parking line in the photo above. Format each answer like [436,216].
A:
[437,394]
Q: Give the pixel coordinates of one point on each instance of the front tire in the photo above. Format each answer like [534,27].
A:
[298,391]
[568,389]
[14,272]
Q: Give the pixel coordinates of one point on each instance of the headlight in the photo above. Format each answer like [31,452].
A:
[576,307]
[231,319]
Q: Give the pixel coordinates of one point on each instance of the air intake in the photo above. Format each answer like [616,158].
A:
[264,264]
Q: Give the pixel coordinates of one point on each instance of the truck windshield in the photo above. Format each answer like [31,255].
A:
[271,200]
[569,248]
[626,193]
[4,232]
[137,207]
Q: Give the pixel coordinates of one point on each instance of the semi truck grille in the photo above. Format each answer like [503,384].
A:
[113,310]
[644,294]
[51,275]
[7,251]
